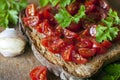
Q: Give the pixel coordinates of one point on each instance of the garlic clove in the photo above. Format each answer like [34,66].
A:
[11,43]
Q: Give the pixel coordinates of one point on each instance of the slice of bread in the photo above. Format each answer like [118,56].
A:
[57,65]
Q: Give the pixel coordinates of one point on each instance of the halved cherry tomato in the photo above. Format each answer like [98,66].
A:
[39,73]
[73,8]
[85,43]
[100,49]
[67,52]
[89,6]
[31,10]
[87,52]
[31,20]
[106,44]
[53,44]
[70,34]
[45,28]
[79,59]
[75,27]
[86,32]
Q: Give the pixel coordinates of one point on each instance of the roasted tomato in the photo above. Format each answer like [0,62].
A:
[100,49]
[73,8]
[53,44]
[45,28]
[39,73]
[85,43]
[79,59]
[31,10]
[70,34]
[67,52]
[87,52]
[75,27]
[106,44]
[90,6]
[31,20]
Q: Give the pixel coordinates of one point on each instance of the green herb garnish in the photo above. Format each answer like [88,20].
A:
[64,18]
[62,3]
[108,31]
[112,72]
[9,11]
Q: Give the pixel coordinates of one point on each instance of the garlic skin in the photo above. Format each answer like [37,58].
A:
[12,43]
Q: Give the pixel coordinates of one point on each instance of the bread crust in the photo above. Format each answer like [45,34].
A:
[57,65]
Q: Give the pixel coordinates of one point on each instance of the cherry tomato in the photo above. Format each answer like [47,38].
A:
[31,20]
[75,27]
[85,43]
[39,73]
[59,31]
[86,32]
[89,6]
[104,5]
[53,44]
[86,52]
[73,8]
[106,44]
[100,49]
[31,10]
[79,59]
[69,41]
[67,52]
[70,34]
[45,28]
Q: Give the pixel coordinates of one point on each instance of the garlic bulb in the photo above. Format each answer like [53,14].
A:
[12,43]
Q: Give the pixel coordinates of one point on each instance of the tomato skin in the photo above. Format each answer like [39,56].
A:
[79,59]
[39,73]
[45,28]
[99,48]
[53,44]
[106,44]
[67,52]
[31,20]
[87,52]
[31,10]
[85,43]
[75,27]
[89,6]
[69,34]
[73,8]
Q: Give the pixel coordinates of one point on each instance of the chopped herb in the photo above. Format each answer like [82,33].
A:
[64,18]
[112,72]
[9,11]
[108,31]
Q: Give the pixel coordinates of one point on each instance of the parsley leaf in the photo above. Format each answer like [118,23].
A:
[113,69]
[64,3]
[9,11]
[80,14]
[64,18]
[43,2]
[108,31]
[54,2]
[112,72]
[13,16]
